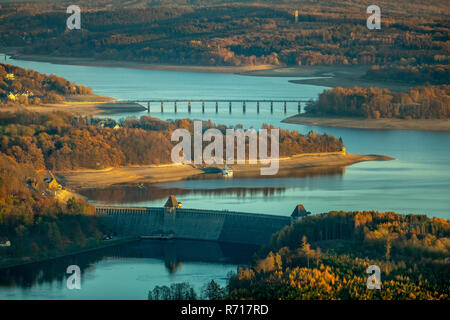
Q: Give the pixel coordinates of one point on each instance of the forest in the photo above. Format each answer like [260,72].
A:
[423,102]
[233,33]
[32,143]
[61,141]
[419,74]
[326,256]
[38,226]
[19,86]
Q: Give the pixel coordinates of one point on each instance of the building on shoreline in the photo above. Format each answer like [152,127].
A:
[4,242]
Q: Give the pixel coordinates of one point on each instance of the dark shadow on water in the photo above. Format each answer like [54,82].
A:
[173,253]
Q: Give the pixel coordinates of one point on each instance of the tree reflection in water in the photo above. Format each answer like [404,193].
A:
[172,252]
[138,193]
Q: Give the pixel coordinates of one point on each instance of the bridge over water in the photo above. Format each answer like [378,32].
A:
[194,224]
[258,104]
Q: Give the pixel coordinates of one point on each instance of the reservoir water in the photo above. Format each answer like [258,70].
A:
[127,271]
[418,181]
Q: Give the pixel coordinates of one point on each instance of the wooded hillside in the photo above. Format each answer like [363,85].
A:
[326,257]
[26,86]
[60,141]
[426,102]
[233,32]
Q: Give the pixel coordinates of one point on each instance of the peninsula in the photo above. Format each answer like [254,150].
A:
[22,90]
[419,108]
[148,174]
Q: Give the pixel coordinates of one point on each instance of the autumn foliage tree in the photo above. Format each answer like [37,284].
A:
[38,226]
[326,256]
[233,33]
[31,87]
[60,141]
[426,102]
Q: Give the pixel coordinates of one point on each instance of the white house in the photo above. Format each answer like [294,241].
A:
[4,242]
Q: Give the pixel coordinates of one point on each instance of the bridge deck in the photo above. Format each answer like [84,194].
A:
[218,100]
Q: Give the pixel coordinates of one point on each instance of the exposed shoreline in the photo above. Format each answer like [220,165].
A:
[320,75]
[152,174]
[80,61]
[86,105]
[346,76]
[372,124]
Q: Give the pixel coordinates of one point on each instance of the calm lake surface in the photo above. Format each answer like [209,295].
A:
[127,271]
[418,181]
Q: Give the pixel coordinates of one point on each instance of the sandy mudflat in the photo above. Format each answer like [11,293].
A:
[330,76]
[375,124]
[172,172]
[309,161]
[83,106]
[130,64]
[131,174]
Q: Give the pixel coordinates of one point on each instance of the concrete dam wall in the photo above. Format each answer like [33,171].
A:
[223,226]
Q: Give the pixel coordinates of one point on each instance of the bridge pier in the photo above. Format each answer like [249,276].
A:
[147,104]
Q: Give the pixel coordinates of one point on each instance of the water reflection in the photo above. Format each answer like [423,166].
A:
[173,253]
[126,193]
[417,182]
